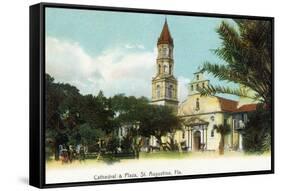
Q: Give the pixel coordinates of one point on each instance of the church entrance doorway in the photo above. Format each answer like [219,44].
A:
[196,140]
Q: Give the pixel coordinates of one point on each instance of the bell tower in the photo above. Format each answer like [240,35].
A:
[164,84]
[197,82]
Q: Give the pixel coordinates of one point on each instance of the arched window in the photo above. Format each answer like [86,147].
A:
[197,87]
[159,69]
[158,91]
[191,87]
[197,104]
[166,68]
[203,85]
[197,76]
[170,91]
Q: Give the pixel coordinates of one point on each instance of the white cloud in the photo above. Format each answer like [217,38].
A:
[134,46]
[140,46]
[116,70]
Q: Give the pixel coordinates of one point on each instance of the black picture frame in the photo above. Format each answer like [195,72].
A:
[37,94]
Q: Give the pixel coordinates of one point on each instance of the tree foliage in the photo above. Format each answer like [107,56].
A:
[246,49]
[72,118]
[151,120]
[158,120]
[257,134]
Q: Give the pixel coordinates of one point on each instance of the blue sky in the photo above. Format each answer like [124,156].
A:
[96,50]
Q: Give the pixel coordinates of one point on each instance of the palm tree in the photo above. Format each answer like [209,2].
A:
[223,130]
[247,50]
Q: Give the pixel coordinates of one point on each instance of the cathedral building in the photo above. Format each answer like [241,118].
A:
[199,114]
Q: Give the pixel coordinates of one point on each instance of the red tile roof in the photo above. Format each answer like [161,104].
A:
[227,104]
[247,108]
[165,36]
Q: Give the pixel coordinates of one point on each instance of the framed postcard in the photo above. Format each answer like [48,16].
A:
[123,95]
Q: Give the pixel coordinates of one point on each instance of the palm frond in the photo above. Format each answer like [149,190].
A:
[223,72]
[246,49]
[214,90]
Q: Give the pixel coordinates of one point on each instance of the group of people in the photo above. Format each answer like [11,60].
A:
[69,153]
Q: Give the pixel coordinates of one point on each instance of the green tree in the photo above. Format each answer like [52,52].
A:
[96,111]
[89,134]
[257,133]
[247,50]
[72,117]
[158,121]
[223,130]
[126,144]
[60,113]
[128,109]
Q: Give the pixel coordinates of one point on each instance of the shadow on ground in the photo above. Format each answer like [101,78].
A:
[24,180]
